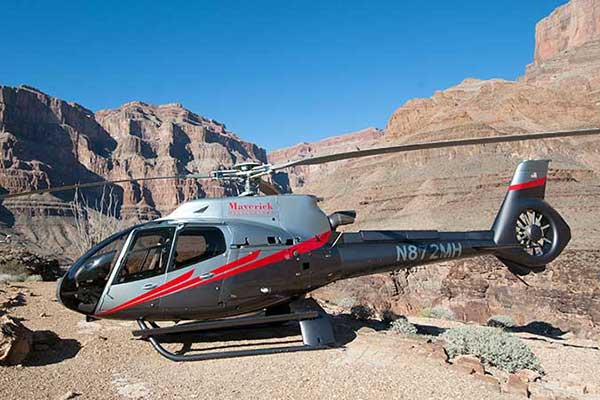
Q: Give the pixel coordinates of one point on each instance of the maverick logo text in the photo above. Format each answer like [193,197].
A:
[261,209]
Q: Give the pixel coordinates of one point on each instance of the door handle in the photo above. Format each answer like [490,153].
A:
[149,286]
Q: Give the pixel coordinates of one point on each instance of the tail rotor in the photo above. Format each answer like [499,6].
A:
[528,231]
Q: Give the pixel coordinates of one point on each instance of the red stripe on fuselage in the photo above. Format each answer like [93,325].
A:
[247,258]
[528,185]
[245,263]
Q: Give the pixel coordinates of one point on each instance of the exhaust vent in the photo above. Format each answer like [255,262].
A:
[339,218]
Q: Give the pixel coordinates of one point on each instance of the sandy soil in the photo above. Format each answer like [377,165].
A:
[101,360]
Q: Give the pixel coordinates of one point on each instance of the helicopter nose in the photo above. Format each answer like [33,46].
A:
[67,293]
[64,296]
[80,289]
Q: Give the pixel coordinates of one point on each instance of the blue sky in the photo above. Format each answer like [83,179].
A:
[275,72]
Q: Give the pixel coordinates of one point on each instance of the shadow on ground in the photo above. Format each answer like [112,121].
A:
[345,328]
[540,328]
[268,335]
[49,348]
[62,350]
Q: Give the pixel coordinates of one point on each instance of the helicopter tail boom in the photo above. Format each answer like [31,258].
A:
[526,235]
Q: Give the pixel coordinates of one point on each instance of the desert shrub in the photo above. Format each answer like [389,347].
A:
[492,346]
[362,312]
[438,313]
[16,263]
[501,321]
[12,278]
[34,278]
[13,267]
[401,326]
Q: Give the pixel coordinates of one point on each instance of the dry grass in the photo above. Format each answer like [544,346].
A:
[97,222]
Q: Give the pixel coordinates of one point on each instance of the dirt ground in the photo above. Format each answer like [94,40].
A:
[101,360]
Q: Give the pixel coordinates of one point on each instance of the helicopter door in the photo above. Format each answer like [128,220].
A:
[142,269]
[198,250]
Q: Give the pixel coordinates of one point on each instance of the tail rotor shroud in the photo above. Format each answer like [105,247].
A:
[528,230]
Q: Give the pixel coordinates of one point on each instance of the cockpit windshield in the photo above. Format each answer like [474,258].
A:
[82,286]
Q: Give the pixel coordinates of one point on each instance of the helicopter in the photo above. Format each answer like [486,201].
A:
[228,263]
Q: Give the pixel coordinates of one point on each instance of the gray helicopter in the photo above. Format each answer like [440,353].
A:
[246,261]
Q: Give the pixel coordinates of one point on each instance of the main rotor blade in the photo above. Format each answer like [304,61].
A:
[433,145]
[102,183]
[267,188]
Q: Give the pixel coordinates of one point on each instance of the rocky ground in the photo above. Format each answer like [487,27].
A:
[101,360]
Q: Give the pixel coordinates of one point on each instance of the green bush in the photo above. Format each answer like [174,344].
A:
[492,346]
[401,326]
[438,313]
[501,321]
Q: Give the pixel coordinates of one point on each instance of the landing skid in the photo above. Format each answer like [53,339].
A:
[315,327]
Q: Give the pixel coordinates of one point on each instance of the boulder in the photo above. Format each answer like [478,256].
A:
[528,375]
[436,351]
[516,385]
[15,341]
[470,364]
[491,381]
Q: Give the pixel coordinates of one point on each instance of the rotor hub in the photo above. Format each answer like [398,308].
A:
[246,166]
[534,233]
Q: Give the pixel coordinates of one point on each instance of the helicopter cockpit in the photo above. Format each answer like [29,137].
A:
[148,256]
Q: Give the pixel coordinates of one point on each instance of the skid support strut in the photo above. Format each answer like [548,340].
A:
[315,327]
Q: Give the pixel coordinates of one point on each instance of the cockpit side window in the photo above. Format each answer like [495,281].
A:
[196,244]
[147,255]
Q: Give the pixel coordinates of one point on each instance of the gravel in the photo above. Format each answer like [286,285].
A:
[101,360]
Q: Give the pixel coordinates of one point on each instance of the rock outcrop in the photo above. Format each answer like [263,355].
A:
[477,107]
[567,27]
[169,140]
[567,50]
